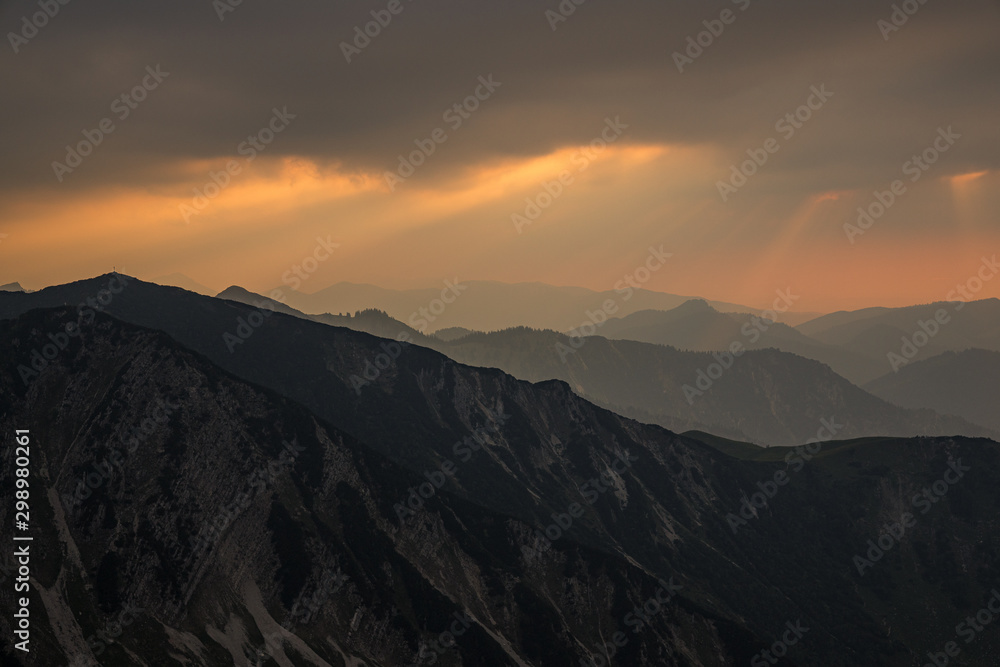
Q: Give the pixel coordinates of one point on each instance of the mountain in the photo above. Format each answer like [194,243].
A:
[770,397]
[647,560]
[954,383]
[896,336]
[766,396]
[370,320]
[490,306]
[451,333]
[696,325]
[11,287]
[309,539]
[182,281]
[245,296]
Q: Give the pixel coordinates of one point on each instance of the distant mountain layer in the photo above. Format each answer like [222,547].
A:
[695,325]
[489,306]
[452,333]
[767,397]
[182,281]
[11,287]
[375,322]
[910,334]
[277,509]
[964,383]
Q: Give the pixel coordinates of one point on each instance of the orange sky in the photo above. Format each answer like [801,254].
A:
[629,196]
[550,100]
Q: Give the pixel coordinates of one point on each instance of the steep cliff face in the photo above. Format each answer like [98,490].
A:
[204,514]
[369,518]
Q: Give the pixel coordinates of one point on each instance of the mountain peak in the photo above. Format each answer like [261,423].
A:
[233,289]
[695,306]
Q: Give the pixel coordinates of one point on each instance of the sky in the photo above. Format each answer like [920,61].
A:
[584,135]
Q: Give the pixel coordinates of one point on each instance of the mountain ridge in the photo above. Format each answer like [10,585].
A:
[662,517]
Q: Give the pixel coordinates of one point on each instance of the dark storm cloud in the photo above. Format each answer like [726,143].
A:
[608,58]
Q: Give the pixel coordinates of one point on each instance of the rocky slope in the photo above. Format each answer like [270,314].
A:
[642,511]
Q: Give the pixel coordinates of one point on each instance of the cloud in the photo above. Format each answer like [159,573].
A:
[607,59]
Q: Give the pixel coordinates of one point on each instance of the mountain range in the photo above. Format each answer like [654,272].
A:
[319,495]
[769,395]
[488,305]
[957,383]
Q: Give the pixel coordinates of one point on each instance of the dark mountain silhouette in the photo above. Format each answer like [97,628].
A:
[370,320]
[661,522]
[451,333]
[245,296]
[964,383]
[489,305]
